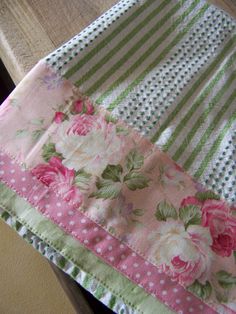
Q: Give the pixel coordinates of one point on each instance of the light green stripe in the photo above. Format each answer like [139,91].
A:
[195,86]
[100,292]
[202,118]
[133,50]
[87,281]
[161,56]
[75,272]
[107,39]
[215,147]
[208,132]
[197,103]
[122,43]
[112,302]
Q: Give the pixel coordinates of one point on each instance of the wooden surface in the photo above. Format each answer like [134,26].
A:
[30,29]
[227,5]
[28,285]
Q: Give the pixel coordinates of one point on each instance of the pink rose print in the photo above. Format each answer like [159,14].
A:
[82,124]
[217,216]
[85,107]
[190,200]
[57,176]
[90,108]
[185,255]
[89,142]
[59,117]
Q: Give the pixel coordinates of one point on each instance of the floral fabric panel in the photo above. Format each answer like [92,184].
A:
[25,116]
[106,171]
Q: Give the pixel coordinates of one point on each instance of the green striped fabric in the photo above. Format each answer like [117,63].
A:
[168,69]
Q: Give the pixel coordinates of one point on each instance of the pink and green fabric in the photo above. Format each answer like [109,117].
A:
[117,158]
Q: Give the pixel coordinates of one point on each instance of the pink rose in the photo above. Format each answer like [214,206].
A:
[217,216]
[185,255]
[59,117]
[78,106]
[178,168]
[89,107]
[89,142]
[81,125]
[57,176]
[83,106]
[190,200]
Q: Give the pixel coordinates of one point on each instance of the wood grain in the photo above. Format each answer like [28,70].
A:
[28,285]
[30,29]
[227,5]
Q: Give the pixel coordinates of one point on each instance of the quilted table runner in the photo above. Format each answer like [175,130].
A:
[117,158]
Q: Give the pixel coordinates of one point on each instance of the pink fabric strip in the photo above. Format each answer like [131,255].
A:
[96,239]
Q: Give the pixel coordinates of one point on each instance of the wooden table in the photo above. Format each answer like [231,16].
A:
[30,29]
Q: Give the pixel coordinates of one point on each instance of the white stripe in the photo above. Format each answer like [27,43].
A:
[175,122]
[159,103]
[214,177]
[200,157]
[142,66]
[185,131]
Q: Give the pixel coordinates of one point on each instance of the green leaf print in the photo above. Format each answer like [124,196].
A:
[82,179]
[106,189]
[49,151]
[203,291]
[225,279]
[36,134]
[208,195]
[190,215]
[113,172]
[134,160]
[21,133]
[37,121]
[138,212]
[110,118]
[221,297]
[135,180]
[164,211]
